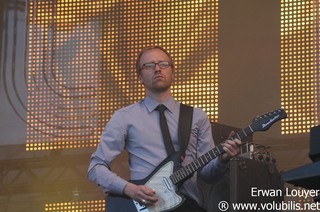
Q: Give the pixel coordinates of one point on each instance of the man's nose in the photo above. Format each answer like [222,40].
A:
[157,67]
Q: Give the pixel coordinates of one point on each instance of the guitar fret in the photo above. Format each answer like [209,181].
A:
[174,178]
[184,174]
[196,163]
[211,154]
[177,173]
[241,136]
[248,130]
[208,157]
[221,150]
[181,173]
[216,152]
[187,169]
[201,160]
[244,133]
[193,166]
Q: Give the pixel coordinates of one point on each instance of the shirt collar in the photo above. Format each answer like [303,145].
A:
[151,104]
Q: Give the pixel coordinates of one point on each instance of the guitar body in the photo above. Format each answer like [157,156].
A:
[159,180]
[165,178]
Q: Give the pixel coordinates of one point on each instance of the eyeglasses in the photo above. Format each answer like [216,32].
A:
[152,66]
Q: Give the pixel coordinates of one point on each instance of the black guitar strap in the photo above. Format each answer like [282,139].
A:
[184,128]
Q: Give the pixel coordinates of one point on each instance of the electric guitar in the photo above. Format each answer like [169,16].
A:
[169,175]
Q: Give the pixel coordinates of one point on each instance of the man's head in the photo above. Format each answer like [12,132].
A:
[144,50]
[155,69]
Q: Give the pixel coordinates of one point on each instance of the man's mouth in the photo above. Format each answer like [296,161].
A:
[159,76]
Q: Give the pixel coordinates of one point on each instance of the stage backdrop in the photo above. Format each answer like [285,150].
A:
[66,66]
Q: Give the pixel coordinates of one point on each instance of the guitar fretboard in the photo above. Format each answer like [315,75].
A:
[186,171]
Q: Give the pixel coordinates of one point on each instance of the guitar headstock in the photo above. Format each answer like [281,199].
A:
[265,121]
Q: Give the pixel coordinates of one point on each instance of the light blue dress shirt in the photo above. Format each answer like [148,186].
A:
[136,128]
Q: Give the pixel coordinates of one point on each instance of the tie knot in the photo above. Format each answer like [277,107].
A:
[161,108]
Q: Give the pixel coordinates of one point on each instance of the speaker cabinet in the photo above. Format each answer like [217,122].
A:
[314,152]
[253,181]
[241,184]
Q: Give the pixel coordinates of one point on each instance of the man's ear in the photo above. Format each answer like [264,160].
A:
[140,79]
[173,76]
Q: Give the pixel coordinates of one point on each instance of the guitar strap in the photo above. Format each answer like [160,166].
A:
[184,128]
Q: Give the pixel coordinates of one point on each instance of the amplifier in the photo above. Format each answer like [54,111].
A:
[253,181]
[246,181]
[314,152]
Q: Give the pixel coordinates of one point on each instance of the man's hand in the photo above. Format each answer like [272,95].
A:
[140,193]
[231,148]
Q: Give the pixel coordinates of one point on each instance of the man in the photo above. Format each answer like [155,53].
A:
[136,129]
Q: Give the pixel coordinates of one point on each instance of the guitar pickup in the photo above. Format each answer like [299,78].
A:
[167,183]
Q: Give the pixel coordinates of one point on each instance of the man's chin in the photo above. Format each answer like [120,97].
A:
[160,89]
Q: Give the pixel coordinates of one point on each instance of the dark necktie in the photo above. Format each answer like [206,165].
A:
[165,130]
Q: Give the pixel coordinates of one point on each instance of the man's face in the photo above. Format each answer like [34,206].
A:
[157,79]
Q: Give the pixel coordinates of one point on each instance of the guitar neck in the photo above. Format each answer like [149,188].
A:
[186,171]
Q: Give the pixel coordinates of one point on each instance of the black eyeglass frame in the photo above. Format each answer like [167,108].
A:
[152,65]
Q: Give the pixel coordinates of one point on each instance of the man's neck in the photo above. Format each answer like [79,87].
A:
[159,97]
